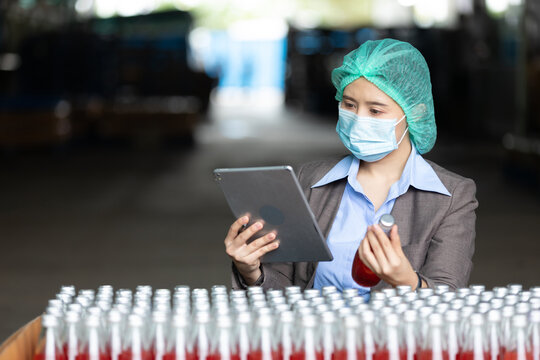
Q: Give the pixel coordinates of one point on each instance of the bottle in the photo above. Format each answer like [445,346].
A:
[159,330]
[349,345]
[222,343]
[409,334]
[493,335]
[389,347]
[72,335]
[114,334]
[328,334]
[307,345]
[519,346]
[285,334]
[178,347]
[360,272]
[534,334]
[135,345]
[475,346]
[200,336]
[263,346]
[434,346]
[92,345]
[369,335]
[451,333]
[49,346]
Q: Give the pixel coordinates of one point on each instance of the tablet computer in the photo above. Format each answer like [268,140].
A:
[274,196]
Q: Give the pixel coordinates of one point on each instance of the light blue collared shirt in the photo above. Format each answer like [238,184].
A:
[356,212]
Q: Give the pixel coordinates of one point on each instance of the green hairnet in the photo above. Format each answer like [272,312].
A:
[400,71]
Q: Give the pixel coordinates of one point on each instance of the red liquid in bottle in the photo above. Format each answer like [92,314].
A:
[343,355]
[257,355]
[172,356]
[217,356]
[362,274]
[42,357]
[513,355]
[384,354]
[86,356]
[469,355]
[428,355]
[128,355]
[301,355]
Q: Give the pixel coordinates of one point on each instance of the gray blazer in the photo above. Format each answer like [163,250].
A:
[437,231]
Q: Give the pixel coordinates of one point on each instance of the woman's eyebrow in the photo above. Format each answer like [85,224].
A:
[376,103]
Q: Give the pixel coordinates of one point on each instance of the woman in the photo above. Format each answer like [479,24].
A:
[386,120]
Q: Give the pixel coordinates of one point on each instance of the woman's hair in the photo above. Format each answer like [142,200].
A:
[400,71]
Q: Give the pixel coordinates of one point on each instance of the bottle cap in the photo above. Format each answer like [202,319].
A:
[387,221]
[451,316]
[477,319]
[72,317]
[519,320]
[92,320]
[435,319]
[494,316]
[49,321]
[311,293]
[410,316]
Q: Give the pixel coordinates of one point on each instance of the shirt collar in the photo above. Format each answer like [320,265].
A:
[417,173]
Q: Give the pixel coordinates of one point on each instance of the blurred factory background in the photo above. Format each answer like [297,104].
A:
[113,114]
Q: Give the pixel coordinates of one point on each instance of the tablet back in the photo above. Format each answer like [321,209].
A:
[273,195]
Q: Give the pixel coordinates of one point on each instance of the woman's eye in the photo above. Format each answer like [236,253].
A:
[349,105]
[374,111]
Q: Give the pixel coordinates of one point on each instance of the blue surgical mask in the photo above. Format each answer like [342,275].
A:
[369,139]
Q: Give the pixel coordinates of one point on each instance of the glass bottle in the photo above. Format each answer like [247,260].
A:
[534,334]
[263,346]
[434,346]
[493,335]
[49,346]
[390,347]
[114,334]
[519,346]
[159,331]
[243,334]
[307,345]
[409,335]
[200,336]
[349,346]
[285,335]
[72,335]
[360,272]
[178,339]
[475,345]
[135,345]
[92,346]
[369,334]
[451,333]
[328,334]
[223,342]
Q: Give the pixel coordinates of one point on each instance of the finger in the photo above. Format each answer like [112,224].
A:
[242,238]
[395,240]
[386,245]
[256,255]
[257,244]
[368,258]
[236,226]
[377,248]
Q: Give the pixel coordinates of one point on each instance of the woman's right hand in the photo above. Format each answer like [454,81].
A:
[246,257]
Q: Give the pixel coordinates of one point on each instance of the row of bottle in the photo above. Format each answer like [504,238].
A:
[396,324]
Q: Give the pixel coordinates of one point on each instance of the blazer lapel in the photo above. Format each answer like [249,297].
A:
[404,219]
[324,202]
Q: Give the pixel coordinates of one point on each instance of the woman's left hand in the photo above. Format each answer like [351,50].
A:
[385,257]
